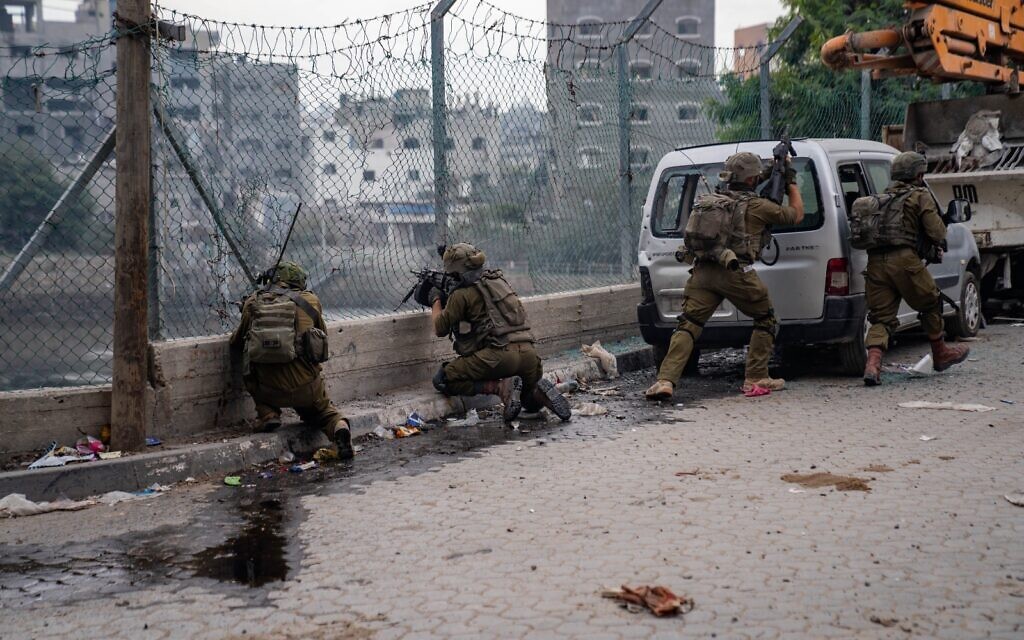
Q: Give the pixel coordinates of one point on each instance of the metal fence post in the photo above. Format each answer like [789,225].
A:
[438,118]
[627,243]
[865,105]
[131,232]
[765,75]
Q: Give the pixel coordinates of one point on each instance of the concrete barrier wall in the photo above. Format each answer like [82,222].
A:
[196,388]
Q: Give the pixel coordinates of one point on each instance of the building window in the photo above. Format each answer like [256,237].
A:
[688,27]
[589,27]
[479,144]
[377,143]
[590,158]
[330,169]
[640,158]
[687,68]
[411,143]
[589,68]
[588,114]
[184,82]
[25,130]
[369,176]
[329,136]
[414,175]
[640,70]
[21,52]
[639,113]
[687,111]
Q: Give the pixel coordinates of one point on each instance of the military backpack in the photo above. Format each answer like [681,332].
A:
[877,221]
[505,312]
[273,337]
[716,230]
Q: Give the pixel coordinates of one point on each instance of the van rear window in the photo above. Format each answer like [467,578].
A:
[678,187]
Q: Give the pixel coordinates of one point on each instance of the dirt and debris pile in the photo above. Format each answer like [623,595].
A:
[824,479]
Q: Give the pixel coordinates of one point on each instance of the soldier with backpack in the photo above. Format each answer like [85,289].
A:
[724,236]
[899,228]
[283,337]
[488,327]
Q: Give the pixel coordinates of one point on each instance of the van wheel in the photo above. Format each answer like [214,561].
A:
[853,355]
[967,320]
[660,350]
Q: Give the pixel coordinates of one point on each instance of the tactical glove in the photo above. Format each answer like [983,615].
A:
[434,295]
[790,174]
[422,293]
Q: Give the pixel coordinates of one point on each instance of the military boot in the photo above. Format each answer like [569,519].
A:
[547,395]
[343,440]
[772,384]
[268,423]
[509,390]
[660,390]
[945,355]
[873,369]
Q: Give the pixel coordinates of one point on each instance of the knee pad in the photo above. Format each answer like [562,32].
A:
[768,324]
[440,380]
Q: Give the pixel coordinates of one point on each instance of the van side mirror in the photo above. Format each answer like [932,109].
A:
[958,211]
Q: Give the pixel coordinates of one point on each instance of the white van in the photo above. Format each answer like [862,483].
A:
[815,279]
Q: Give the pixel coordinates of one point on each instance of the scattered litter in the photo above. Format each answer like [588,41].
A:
[357,448]
[325,454]
[613,391]
[569,386]
[923,404]
[57,461]
[110,455]
[383,432]
[114,497]
[885,622]
[305,466]
[923,367]
[819,480]
[233,481]
[16,504]
[406,431]
[756,391]
[531,510]
[927,438]
[153,442]
[286,457]
[589,409]
[1016,499]
[415,420]
[266,475]
[878,468]
[1005,401]
[688,473]
[795,490]
[658,600]
[190,479]
[515,425]
[105,434]
[1017,324]
[605,360]
[472,418]
[89,445]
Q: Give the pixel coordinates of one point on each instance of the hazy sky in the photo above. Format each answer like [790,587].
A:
[730,13]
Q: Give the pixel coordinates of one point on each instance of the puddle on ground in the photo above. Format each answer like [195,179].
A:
[255,556]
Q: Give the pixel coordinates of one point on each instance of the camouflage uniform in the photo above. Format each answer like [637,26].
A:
[297,384]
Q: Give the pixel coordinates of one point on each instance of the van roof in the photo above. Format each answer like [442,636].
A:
[827,144]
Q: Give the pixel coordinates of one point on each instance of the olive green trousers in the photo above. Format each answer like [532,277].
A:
[894,276]
[464,375]
[310,401]
[708,285]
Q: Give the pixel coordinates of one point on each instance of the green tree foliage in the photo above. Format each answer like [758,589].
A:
[28,189]
[808,97]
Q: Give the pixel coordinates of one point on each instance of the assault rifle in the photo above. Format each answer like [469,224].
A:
[427,279]
[268,277]
[775,189]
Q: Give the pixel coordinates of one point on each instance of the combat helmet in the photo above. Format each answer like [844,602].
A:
[291,274]
[742,166]
[463,257]
[908,165]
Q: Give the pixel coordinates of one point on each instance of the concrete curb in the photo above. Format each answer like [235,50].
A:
[204,460]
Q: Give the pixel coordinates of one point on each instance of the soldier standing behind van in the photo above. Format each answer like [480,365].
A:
[896,270]
[724,270]
[284,340]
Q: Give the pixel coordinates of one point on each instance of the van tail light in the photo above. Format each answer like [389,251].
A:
[646,288]
[837,277]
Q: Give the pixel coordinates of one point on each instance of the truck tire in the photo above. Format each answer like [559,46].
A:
[660,350]
[967,320]
[853,355]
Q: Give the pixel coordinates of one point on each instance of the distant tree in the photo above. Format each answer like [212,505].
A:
[810,98]
[29,188]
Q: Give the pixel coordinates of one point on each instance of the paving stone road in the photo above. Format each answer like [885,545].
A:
[517,539]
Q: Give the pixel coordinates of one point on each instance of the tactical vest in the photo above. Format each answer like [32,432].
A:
[877,222]
[716,230]
[273,338]
[505,322]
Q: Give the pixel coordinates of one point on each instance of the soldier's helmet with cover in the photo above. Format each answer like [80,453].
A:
[463,257]
[908,165]
[290,273]
[742,166]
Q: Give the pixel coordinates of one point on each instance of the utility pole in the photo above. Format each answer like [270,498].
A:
[438,116]
[131,232]
[766,78]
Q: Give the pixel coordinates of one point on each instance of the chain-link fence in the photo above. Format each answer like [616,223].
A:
[539,150]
